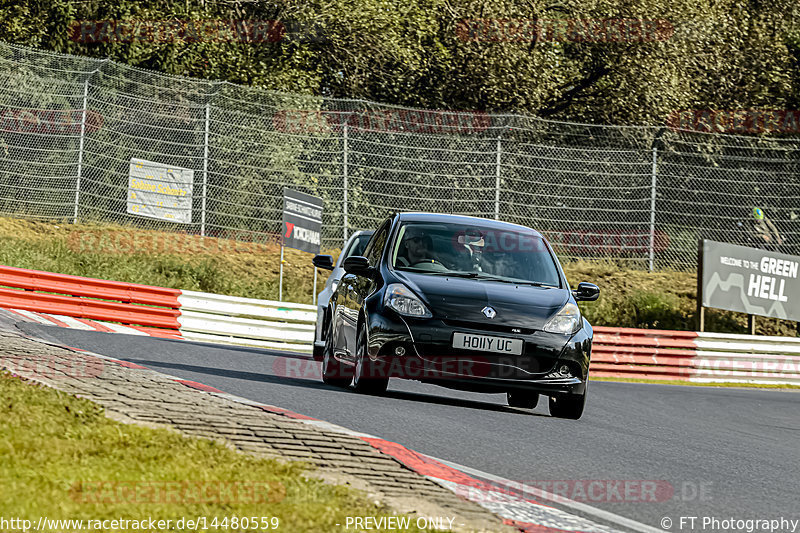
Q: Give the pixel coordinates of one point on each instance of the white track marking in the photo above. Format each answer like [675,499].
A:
[559,500]
[74,324]
[119,328]
[34,317]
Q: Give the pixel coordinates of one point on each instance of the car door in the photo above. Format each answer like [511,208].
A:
[356,288]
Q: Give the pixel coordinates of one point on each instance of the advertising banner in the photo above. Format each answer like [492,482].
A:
[160,191]
[302,221]
[750,280]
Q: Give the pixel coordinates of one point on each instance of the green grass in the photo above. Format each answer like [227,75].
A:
[628,298]
[158,258]
[55,448]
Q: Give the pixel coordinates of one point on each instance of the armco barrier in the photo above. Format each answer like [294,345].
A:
[112,301]
[696,357]
[194,315]
[247,321]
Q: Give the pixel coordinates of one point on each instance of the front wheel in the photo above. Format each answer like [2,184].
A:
[568,405]
[368,377]
[334,372]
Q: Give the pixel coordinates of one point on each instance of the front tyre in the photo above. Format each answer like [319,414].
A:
[568,405]
[334,372]
[318,351]
[367,377]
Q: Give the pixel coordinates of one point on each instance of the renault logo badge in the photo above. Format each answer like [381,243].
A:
[488,312]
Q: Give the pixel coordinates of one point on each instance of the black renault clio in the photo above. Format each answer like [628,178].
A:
[462,302]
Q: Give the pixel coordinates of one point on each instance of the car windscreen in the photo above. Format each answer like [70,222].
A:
[475,252]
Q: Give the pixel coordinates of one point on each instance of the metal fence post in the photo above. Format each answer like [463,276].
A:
[84,111]
[701,311]
[344,184]
[653,181]
[205,173]
[497,180]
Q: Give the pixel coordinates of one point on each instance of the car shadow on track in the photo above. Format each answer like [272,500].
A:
[309,383]
[457,402]
[235,374]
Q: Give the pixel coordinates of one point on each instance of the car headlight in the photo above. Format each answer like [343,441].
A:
[566,321]
[403,301]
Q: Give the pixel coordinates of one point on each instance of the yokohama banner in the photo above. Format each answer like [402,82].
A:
[302,221]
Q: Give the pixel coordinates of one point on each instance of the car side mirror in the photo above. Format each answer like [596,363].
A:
[586,292]
[358,265]
[323,261]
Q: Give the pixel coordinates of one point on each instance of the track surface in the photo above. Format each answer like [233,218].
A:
[739,446]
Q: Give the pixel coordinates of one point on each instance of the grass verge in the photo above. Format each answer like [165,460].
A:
[158,258]
[57,449]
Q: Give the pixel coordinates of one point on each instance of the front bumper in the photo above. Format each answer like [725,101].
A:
[428,355]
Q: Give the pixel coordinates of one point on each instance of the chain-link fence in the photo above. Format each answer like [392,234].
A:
[70,126]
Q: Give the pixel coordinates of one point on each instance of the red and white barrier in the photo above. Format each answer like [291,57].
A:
[112,306]
[695,356]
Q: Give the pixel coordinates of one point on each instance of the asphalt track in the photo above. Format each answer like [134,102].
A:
[727,453]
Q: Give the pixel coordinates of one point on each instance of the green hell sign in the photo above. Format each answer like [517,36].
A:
[750,280]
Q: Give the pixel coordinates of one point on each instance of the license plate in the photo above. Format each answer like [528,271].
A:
[486,343]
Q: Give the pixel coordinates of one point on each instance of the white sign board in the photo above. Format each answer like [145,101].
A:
[750,280]
[160,191]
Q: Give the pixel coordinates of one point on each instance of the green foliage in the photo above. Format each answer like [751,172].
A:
[717,55]
[155,258]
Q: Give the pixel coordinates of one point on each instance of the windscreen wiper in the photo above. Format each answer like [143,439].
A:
[514,281]
[483,275]
[456,274]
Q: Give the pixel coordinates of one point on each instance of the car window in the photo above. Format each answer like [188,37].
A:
[356,247]
[376,244]
[473,251]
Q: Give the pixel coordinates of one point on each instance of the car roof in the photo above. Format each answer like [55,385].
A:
[463,219]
